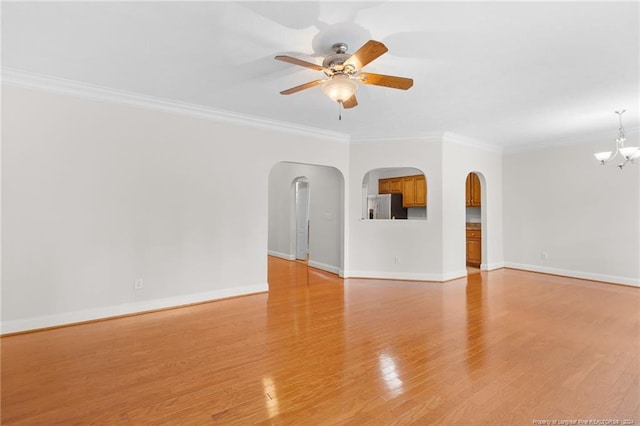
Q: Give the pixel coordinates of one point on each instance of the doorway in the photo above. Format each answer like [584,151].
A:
[302,219]
[473,223]
[306,215]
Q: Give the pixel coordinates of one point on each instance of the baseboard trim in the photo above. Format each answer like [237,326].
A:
[448,276]
[281,255]
[491,266]
[404,276]
[324,267]
[613,279]
[126,309]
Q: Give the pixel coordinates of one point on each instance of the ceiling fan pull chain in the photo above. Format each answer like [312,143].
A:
[339,110]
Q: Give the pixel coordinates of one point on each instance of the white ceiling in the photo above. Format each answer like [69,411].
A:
[508,74]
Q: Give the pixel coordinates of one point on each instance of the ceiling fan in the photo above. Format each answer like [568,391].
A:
[343,72]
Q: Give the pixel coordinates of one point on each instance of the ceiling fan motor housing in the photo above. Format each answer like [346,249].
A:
[334,63]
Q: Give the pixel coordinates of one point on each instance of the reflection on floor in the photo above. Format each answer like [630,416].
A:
[472,270]
[498,348]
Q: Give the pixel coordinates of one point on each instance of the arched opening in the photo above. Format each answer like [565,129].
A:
[306,215]
[474,219]
[394,193]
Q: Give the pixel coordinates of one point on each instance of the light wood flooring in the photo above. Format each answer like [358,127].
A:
[503,347]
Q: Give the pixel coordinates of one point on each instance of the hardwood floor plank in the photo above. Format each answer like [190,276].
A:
[500,347]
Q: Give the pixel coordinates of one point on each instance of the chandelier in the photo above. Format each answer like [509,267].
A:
[627,153]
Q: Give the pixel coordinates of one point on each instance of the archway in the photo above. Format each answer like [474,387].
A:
[394,193]
[325,214]
[474,222]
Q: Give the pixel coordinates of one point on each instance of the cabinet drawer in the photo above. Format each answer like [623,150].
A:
[473,233]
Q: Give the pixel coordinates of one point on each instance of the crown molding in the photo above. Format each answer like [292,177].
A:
[471,143]
[604,137]
[47,83]
[434,137]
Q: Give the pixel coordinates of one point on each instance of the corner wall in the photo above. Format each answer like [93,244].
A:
[459,159]
[375,244]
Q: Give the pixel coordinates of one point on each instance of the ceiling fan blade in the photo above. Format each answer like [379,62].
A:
[350,103]
[385,80]
[367,53]
[296,61]
[301,87]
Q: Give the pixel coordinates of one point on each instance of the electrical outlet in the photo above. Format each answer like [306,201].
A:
[396,259]
[138,284]
[544,255]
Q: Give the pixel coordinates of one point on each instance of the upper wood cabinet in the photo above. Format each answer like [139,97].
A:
[384,186]
[414,191]
[396,185]
[412,188]
[473,191]
[390,186]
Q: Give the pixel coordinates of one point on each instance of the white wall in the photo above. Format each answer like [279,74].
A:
[97,194]
[583,215]
[326,189]
[374,244]
[433,249]
[459,159]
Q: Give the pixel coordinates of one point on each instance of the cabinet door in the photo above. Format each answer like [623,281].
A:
[474,252]
[384,186]
[476,192]
[468,190]
[396,185]
[421,191]
[408,191]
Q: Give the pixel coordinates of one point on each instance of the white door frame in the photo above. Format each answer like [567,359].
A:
[302,198]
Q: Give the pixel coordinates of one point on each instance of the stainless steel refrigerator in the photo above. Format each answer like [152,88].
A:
[386,206]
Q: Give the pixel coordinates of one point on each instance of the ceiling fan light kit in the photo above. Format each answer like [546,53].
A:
[343,72]
[340,87]
[628,154]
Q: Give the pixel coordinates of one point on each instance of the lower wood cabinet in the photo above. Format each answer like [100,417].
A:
[474,247]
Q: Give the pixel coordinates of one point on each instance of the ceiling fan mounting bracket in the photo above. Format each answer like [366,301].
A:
[340,47]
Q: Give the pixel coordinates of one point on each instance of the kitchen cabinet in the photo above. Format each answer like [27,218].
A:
[384,186]
[414,191]
[474,247]
[390,186]
[396,185]
[473,191]
[412,188]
